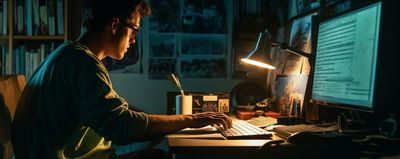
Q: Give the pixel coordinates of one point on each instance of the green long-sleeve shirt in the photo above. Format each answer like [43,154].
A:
[69,108]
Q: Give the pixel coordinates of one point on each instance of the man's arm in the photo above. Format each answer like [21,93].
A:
[164,124]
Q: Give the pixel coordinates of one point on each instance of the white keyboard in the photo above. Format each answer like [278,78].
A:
[244,130]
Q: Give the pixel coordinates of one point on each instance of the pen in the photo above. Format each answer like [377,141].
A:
[175,80]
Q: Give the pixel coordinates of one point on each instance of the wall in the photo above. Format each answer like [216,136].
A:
[151,95]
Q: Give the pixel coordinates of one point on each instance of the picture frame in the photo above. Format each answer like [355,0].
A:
[290,93]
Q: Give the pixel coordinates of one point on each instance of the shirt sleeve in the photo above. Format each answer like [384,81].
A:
[103,110]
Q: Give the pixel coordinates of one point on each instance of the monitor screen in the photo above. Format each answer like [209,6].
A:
[345,59]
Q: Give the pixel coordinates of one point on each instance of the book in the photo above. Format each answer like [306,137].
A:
[28,17]
[44,21]
[60,17]
[20,17]
[1,18]
[5,17]
[36,17]
[51,5]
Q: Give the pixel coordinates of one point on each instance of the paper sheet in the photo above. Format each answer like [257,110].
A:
[207,132]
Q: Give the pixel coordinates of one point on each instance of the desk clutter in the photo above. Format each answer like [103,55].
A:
[201,102]
[286,131]
[245,112]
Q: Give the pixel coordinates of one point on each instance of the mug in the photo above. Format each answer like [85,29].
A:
[183,104]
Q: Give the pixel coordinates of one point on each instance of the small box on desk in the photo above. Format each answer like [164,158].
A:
[245,115]
[202,102]
[210,103]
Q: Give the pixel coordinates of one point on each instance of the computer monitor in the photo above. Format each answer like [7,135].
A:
[346,55]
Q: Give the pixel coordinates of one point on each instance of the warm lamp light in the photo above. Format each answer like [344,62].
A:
[257,63]
[259,57]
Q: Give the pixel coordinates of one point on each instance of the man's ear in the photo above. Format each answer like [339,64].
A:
[114,24]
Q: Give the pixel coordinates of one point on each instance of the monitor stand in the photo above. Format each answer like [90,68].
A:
[354,125]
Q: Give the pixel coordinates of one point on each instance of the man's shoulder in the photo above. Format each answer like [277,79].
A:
[76,52]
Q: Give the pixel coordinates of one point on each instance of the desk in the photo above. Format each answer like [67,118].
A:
[191,148]
[183,148]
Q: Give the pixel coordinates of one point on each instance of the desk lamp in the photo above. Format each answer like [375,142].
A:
[259,55]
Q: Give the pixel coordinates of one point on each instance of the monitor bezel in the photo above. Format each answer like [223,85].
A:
[323,18]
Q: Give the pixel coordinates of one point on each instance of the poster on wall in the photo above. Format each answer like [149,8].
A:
[164,16]
[290,93]
[161,68]
[162,45]
[203,67]
[203,45]
[163,27]
[204,16]
[297,7]
[300,39]
[209,53]
[179,29]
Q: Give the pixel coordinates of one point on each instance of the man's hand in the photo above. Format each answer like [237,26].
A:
[210,118]
[163,124]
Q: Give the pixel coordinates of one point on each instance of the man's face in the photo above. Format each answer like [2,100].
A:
[126,35]
[133,25]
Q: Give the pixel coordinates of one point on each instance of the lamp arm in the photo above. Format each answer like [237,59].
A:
[257,45]
[285,46]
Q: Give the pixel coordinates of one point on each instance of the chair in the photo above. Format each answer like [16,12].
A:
[11,87]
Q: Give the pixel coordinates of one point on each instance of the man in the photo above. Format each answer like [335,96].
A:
[69,109]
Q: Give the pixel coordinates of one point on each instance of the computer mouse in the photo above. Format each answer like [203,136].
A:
[306,137]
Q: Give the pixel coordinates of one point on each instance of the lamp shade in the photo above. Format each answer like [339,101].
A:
[259,56]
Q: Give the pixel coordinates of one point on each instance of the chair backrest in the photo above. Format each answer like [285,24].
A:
[11,87]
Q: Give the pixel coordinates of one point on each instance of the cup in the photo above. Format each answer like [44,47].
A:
[183,104]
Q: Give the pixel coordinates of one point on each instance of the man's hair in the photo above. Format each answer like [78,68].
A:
[96,13]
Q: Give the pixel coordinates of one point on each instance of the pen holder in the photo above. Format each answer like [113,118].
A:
[183,104]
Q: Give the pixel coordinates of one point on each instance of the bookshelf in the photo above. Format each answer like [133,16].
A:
[29,30]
